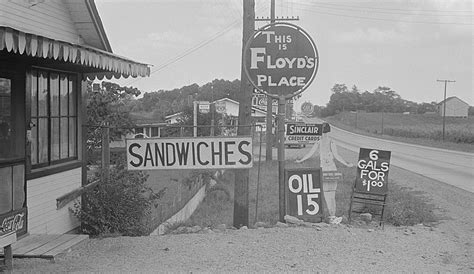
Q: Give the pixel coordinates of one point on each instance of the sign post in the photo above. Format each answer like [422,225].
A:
[281,60]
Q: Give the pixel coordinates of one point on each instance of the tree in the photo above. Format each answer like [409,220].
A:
[108,107]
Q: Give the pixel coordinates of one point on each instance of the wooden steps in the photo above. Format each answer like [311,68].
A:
[46,246]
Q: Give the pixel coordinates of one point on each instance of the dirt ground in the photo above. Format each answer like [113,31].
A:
[444,247]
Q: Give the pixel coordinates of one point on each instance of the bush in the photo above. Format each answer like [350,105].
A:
[406,208]
[120,206]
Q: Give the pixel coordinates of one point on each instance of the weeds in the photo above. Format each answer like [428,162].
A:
[404,207]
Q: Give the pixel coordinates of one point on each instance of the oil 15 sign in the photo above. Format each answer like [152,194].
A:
[372,171]
[303,193]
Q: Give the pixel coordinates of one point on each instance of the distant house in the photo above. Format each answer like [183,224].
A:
[173,118]
[455,107]
[145,127]
[225,106]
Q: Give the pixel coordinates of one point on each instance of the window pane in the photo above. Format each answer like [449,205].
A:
[72,137]
[54,139]
[54,93]
[18,186]
[34,142]
[43,140]
[34,94]
[6,203]
[64,138]
[42,94]
[63,91]
[72,96]
[6,126]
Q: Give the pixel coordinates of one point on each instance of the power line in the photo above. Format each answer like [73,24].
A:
[408,10]
[384,11]
[190,50]
[384,19]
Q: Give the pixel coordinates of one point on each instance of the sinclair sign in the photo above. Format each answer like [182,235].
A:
[281,59]
[296,133]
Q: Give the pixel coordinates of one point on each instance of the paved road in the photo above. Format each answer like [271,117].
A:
[450,167]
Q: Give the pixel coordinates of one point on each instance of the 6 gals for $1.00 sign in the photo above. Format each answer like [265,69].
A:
[372,171]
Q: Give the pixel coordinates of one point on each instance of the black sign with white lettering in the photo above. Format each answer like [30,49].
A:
[304,129]
[304,193]
[372,171]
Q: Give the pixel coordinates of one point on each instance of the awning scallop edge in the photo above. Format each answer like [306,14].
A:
[110,65]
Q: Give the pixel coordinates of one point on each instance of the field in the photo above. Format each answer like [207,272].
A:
[414,128]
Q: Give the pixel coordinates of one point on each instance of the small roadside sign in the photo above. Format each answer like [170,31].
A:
[204,107]
[301,133]
[304,193]
[220,107]
[372,171]
[307,108]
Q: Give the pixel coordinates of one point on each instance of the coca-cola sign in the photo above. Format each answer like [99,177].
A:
[13,221]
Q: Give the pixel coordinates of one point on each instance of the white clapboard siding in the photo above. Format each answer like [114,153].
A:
[43,216]
[50,19]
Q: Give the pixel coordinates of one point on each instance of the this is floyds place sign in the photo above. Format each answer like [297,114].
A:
[189,153]
[281,59]
[372,171]
[296,133]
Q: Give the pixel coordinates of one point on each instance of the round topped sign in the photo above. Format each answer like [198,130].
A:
[281,59]
[307,108]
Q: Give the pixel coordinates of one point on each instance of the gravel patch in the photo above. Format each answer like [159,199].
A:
[445,247]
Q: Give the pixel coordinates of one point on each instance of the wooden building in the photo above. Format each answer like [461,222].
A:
[455,107]
[48,51]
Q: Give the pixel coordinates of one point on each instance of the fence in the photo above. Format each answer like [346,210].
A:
[179,185]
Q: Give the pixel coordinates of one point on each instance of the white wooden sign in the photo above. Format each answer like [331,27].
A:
[189,153]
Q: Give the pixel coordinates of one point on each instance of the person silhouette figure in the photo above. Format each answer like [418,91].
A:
[328,152]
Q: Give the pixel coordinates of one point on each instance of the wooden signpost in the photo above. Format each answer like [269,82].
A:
[281,60]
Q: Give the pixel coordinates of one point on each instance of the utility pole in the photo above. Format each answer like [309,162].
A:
[269,133]
[444,103]
[213,110]
[241,183]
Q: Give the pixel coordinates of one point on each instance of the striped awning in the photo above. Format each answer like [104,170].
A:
[106,64]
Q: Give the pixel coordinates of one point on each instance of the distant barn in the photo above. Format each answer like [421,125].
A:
[455,107]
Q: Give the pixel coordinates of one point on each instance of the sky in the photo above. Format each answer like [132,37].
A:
[406,45]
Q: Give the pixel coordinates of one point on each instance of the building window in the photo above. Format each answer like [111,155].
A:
[155,132]
[54,116]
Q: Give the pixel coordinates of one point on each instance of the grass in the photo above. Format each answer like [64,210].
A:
[412,128]
[404,207]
